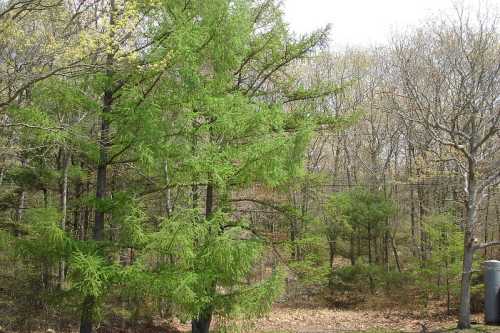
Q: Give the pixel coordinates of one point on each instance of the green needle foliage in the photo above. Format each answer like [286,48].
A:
[131,159]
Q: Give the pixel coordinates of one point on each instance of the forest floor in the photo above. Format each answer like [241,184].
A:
[324,320]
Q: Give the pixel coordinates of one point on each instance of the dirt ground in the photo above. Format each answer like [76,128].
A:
[328,320]
[323,320]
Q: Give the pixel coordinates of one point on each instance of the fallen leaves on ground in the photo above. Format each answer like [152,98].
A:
[329,320]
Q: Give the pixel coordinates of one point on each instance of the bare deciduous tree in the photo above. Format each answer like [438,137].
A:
[450,79]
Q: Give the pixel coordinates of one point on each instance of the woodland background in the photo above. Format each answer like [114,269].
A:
[197,160]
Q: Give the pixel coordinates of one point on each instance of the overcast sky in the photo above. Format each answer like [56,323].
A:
[364,22]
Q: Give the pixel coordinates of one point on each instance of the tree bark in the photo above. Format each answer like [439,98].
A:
[86,217]
[396,256]
[86,324]
[411,154]
[332,249]
[201,324]
[168,193]
[64,209]
[370,257]
[464,311]
[470,222]
[77,227]
[101,178]
[209,200]
[352,245]
[87,319]
[486,226]
[45,198]
[104,139]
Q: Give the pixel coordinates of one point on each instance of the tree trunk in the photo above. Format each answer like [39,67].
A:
[370,257]
[86,324]
[470,222]
[77,227]
[370,260]
[448,291]
[64,209]
[86,217]
[395,252]
[423,236]
[194,196]
[358,245]
[20,205]
[168,192]
[464,311]
[486,215]
[497,213]
[201,324]
[101,178]
[104,139]
[87,314]
[411,154]
[332,249]
[293,238]
[209,201]
[352,245]
[45,198]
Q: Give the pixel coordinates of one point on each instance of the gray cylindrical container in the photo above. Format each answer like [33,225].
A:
[492,291]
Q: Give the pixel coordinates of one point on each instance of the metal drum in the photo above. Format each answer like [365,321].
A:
[492,291]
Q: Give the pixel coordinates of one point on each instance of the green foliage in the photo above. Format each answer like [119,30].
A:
[310,273]
[202,104]
[440,273]
[311,268]
[32,178]
[46,241]
[359,207]
[204,266]
[257,299]
[5,241]
[365,208]
[90,273]
[350,278]
[357,212]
